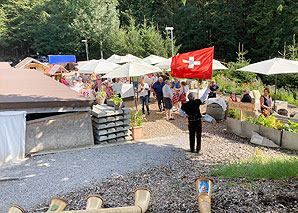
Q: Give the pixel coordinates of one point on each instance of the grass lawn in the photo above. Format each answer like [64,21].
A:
[260,166]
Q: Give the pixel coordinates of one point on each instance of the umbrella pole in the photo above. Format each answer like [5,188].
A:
[275,91]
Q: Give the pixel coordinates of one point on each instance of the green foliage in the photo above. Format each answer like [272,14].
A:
[291,127]
[260,166]
[269,121]
[250,120]
[116,99]
[137,118]
[101,94]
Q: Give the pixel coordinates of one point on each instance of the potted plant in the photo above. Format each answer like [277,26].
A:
[117,101]
[290,135]
[233,122]
[101,97]
[137,119]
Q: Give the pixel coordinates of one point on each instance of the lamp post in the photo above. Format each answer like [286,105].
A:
[86,45]
[171,29]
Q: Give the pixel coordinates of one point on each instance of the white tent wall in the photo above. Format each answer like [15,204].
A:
[12,136]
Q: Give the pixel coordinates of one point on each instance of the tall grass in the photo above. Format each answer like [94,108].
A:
[260,166]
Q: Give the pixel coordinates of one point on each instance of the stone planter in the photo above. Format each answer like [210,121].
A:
[136,132]
[289,140]
[247,128]
[118,106]
[272,134]
[234,126]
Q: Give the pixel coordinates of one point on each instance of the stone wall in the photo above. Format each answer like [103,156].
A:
[59,132]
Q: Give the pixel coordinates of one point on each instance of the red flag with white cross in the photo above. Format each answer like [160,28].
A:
[196,64]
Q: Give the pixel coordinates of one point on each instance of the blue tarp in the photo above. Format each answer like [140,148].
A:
[56,59]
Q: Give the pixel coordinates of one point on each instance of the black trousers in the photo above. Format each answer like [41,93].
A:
[195,130]
[161,104]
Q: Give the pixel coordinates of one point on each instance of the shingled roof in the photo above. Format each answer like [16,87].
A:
[27,61]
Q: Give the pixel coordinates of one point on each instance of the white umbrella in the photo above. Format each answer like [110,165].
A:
[101,66]
[216,65]
[131,69]
[273,66]
[154,59]
[166,64]
[133,57]
[113,58]
[120,59]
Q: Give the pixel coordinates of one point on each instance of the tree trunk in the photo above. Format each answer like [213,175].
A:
[101,51]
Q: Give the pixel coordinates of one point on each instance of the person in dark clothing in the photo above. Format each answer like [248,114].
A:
[191,110]
[214,88]
[266,103]
[157,91]
[246,97]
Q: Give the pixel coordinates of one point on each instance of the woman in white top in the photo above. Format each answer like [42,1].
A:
[143,89]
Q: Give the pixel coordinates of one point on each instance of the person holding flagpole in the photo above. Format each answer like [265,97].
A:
[191,110]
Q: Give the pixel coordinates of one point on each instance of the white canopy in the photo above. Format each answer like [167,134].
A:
[218,66]
[131,69]
[166,64]
[121,59]
[154,59]
[101,66]
[133,57]
[273,66]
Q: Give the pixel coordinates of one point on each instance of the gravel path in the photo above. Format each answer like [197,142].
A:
[43,177]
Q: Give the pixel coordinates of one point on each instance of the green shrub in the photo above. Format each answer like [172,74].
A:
[137,118]
[291,127]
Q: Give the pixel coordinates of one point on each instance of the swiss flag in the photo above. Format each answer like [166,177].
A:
[196,64]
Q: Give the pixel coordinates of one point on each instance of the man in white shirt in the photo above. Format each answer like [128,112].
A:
[117,86]
[80,83]
[148,81]
[143,89]
[74,86]
[167,98]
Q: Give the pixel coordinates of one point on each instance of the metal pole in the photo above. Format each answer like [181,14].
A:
[172,43]
[275,92]
[87,54]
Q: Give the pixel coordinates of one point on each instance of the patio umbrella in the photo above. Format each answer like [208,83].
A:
[101,66]
[154,59]
[131,69]
[166,64]
[273,67]
[216,65]
[121,59]
[133,57]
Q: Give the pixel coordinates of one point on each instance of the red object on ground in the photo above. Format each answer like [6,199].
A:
[196,64]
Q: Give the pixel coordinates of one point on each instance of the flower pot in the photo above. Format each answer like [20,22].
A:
[289,140]
[247,128]
[234,126]
[110,103]
[272,134]
[101,101]
[118,106]
[136,132]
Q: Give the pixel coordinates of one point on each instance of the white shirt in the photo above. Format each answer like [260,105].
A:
[117,87]
[147,80]
[80,85]
[153,79]
[166,91]
[144,90]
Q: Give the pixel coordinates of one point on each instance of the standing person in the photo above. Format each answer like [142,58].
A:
[183,93]
[148,81]
[157,91]
[246,97]
[63,80]
[154,78]
[176,85]
[116,86]
[191,110]
[143,89]
[80,83]
[93,78]
[75,77]
[167,98]
[84,77]
[266,103]
[74,86]
[214,88]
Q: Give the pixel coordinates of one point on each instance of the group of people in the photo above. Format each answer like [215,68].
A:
[265,100]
